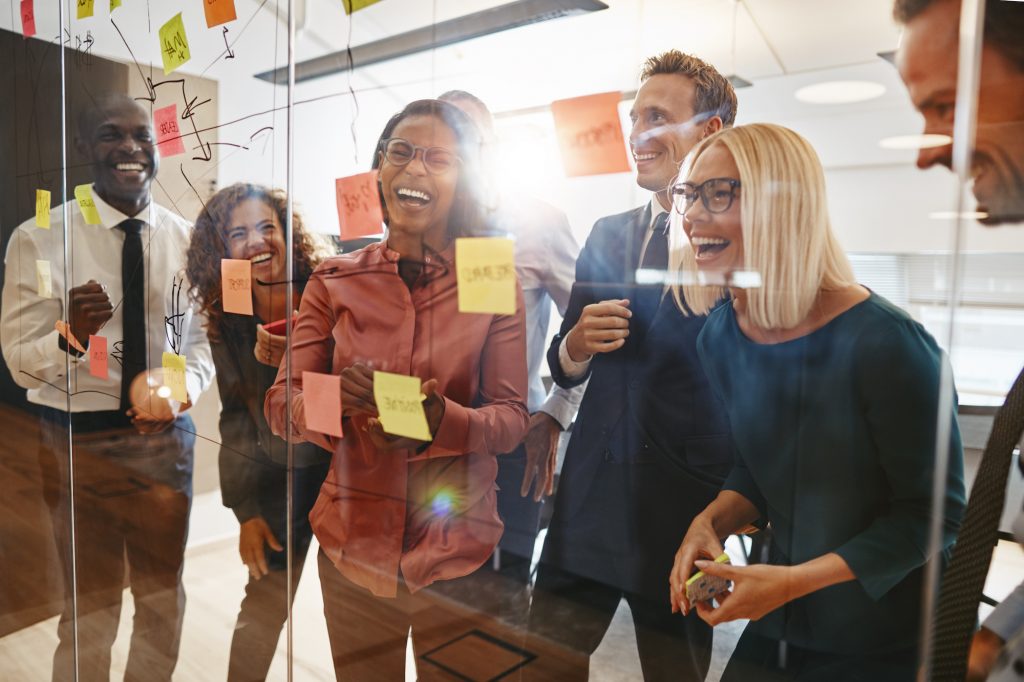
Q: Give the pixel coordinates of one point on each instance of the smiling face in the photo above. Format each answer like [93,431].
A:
[419,202]
[254,233]
[716,238]
[927,62]
[120,145]
[663,130]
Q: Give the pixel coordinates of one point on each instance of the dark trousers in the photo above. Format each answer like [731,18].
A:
[264,608]
[574,612]
[763,658]
[132,496]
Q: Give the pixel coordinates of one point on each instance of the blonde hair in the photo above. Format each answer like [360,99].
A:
[787,234]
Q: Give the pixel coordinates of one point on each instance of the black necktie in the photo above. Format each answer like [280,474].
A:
[655,258]
[133,347]
[957,610]
[656,255]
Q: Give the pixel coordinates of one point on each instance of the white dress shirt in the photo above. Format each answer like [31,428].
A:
[30,342]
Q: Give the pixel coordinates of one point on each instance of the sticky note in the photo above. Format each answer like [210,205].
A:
[98,366]
[219,12]
[28,18]
[168,134]
[174,376]
[236,285]
[174,44]
[359,211]
[356,5]
[45,287]
[83,193]
[590,135]
[43,208]
[85,8]
[486,274]
[114,4]
[400,405]
[321,401]
[64,329]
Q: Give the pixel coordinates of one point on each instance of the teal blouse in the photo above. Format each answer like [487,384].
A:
[835,433]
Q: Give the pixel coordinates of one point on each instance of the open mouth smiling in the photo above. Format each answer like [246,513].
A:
[412,197]
[708,247]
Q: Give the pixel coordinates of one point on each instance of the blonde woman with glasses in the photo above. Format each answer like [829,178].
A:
[832,394]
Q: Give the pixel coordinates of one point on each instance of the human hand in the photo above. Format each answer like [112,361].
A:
[541,445]
[357,391]
[89,308]
[700,542]
[254,533]
[985,648]
[269,348]
[602,328]
[433,407]
[756,591]
[148,422]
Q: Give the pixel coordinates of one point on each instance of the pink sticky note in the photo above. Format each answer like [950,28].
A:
[359,209]
[65,330]
[98,356]
[236,285]
[321,395]
[168,134]
[28,18]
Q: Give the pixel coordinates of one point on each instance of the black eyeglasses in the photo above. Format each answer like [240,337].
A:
[437,160]
[717,195]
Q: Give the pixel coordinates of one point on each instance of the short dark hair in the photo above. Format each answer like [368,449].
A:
[713,95]
[469,214]
[92,116]
[1003,30]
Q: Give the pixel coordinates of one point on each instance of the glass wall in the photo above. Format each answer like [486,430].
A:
[445,340]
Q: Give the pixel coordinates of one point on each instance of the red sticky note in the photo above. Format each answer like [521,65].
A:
[168,134]
[219,12]
[321,399]
[65,330]
[359,211]
[28,18]
[98,356]
[236,285]
[590,135]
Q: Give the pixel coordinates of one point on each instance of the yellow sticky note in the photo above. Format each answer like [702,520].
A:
[486,275]
[400,405]
[85,8]
[114,4]
[43,278]
[356,5]
[174,44]
[43,208]
[174,376]
[83,193]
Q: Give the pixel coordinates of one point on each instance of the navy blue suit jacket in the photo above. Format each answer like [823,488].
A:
[651,445]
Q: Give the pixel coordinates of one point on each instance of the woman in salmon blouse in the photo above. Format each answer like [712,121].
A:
[396,515]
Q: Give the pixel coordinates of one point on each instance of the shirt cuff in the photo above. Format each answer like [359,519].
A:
[572,369]
[560,408]
[1008,618]
[450,438]
[245,510]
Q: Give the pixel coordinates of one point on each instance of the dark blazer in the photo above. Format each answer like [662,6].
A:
[651,446]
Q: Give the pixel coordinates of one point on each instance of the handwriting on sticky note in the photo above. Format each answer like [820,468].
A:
[174,44]
[64,329]
[28,18]
[356,5]
[83,194]
[321,401]
[85,8]
[45,286]
[236,285]
[486,274]
[359,211]
[590,135]
[219,12]
[400,405]
[174,375]
[168,134]
[43,208]
[98,359]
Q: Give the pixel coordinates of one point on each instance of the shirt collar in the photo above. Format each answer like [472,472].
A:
[110,217]
[656,210]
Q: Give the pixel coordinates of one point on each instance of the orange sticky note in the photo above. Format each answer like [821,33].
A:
[486,274]
[321,400]
[85,8]
[359,211]
[236,285]
[168,134]
[174,376]
[174,44]
[98,357]
[64,329]
[590,135]
[28,18]
[43,208]
[219,12]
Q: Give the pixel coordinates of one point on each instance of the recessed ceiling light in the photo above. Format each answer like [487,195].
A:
[915,141]
[840,92]
[953,215]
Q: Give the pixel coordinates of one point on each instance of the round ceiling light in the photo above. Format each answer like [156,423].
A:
[926,141]
[840,92]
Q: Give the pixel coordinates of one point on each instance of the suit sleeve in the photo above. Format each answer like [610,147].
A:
[238,460]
